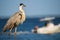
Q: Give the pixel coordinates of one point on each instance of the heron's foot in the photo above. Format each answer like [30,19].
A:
[9,33]
[14,33]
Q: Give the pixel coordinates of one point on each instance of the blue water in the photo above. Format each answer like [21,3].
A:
[28,25]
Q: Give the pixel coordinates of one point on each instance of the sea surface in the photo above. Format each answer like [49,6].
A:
[24,30]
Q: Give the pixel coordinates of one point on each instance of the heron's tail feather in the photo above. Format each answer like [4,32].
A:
[5,28]
[8,27]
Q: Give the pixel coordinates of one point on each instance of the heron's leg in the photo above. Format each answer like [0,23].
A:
[15,30]
[10,32]
[10,29]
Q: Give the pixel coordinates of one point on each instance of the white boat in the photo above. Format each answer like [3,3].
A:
[49,28]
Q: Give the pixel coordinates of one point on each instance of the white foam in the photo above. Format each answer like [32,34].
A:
[21,32]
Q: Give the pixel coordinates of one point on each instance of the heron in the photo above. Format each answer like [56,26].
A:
[16,19]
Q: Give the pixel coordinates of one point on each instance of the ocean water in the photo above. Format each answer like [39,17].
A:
[25,33]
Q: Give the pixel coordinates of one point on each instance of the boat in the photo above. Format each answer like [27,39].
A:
[48,28]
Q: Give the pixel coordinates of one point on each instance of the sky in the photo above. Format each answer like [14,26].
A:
[34,8]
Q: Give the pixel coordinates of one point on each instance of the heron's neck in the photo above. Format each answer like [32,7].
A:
[21,9]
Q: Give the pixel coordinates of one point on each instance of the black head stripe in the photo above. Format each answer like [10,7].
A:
[21,4]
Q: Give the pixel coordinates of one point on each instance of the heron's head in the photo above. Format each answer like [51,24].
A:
[21,4]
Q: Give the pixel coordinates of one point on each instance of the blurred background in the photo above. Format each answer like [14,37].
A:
[34,10]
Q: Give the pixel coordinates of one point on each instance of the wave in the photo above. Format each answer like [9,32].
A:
[21,32]
[17,33]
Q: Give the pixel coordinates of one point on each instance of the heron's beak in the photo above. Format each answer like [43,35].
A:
[24,5]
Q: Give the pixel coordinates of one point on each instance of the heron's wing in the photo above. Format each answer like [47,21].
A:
[16,13]
[13,19]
